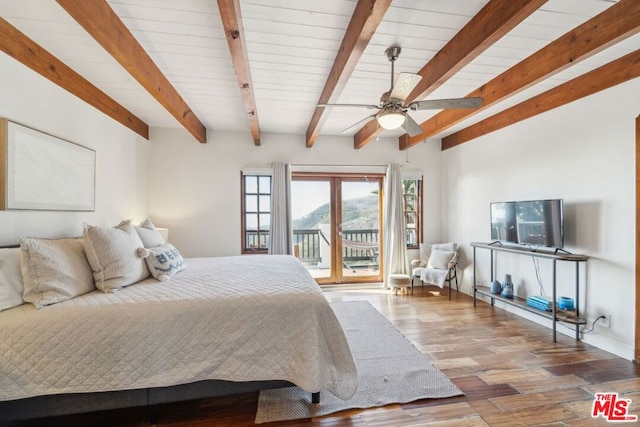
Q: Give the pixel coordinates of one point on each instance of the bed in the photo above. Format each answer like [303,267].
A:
[223,325]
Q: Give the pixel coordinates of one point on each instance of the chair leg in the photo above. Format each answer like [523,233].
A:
[452,277]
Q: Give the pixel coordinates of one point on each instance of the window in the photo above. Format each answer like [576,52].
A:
[256,213]
[412,198]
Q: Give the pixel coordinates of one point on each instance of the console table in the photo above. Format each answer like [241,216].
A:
[556,315]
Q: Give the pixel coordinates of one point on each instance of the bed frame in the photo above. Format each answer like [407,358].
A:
[73,403]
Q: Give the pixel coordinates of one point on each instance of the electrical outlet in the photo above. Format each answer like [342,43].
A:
[606,321]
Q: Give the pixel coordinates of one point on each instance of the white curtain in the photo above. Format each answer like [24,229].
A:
[396,259]
[280,226]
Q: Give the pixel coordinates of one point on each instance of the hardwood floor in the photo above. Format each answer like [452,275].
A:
[511,372]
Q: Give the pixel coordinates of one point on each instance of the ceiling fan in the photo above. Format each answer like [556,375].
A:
[392,113]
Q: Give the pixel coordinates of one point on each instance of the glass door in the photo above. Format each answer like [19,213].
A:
[312,222]
[359,228]
[336,226]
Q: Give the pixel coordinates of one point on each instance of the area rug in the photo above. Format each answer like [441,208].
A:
[390,370]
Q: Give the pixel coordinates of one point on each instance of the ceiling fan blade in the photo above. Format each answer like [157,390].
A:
[411,127]
[404,85]
[370,106]
[438,104]
[358,124]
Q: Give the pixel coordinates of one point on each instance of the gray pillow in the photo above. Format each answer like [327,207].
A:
[112,254]
[163,261]
[54,270]
[149,235]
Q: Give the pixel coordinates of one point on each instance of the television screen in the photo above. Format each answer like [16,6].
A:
[540,222]
[531,222]
[503,222]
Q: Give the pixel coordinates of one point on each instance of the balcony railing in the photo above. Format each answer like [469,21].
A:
[309,242]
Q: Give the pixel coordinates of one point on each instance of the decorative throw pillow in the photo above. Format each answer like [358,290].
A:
[54,270]
[149,235]
[163,261]
[112,254]
[11,285]
[440,259]
[444,247]
[425,249]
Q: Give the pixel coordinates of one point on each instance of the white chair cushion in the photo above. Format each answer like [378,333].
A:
[439,259]
[417,272]
[445,247]
[425,250]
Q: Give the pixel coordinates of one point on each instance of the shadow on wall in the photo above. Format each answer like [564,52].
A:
[582,219]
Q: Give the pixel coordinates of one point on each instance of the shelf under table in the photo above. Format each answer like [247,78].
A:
[565,316]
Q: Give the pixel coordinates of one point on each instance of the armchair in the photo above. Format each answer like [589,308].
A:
[436,265]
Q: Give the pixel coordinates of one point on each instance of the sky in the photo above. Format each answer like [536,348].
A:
[308,195]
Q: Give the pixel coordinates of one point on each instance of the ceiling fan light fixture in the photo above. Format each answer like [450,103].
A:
[390,119]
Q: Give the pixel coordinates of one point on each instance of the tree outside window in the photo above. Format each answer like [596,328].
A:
[412,200]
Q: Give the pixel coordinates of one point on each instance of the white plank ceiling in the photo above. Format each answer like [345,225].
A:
[292,45]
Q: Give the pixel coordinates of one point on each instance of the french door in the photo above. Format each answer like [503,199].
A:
[337,226]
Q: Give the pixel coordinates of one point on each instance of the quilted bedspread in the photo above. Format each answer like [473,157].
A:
[245,318]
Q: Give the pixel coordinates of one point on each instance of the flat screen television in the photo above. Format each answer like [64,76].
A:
[529,222]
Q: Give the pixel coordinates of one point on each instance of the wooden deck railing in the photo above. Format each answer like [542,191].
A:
[309,241]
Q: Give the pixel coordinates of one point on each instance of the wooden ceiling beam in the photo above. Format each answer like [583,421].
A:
[365,20]
[20,47]
[366,134]
[100,21]
[494,20]
[618,22]
[609,75]
[234,32]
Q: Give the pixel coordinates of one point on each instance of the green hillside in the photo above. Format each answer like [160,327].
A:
[360,213]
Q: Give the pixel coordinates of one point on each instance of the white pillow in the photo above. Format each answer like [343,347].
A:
[11,285]
[149,235]
[445,247]
[425,250]
[163,261]
[440,259]
[54,270]
[112,254]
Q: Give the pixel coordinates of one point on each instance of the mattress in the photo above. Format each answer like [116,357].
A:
[245,318]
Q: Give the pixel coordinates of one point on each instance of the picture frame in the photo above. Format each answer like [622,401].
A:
[39,171]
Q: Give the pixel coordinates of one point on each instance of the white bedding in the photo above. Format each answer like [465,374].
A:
[231,318]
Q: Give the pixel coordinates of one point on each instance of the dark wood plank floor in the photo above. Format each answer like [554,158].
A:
[511,372]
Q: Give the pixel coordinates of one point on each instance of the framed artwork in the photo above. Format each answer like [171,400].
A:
[42,172]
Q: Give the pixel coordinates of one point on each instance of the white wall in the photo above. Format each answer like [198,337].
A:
[584,153]
[121,155]
[195,188]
